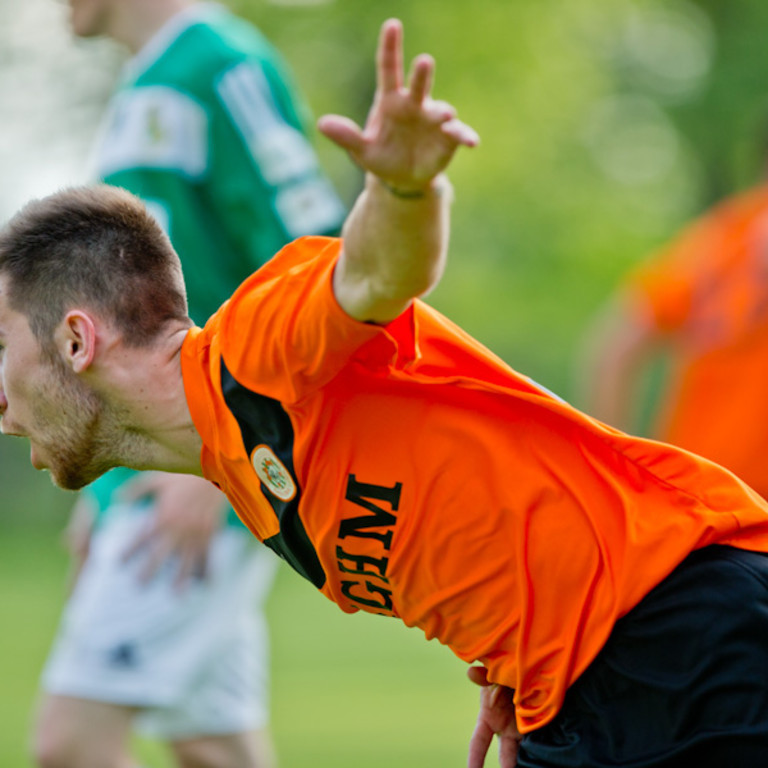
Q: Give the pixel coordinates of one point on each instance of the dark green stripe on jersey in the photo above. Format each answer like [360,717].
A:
[263,421]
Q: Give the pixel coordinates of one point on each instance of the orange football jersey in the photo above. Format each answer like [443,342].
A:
[407,471]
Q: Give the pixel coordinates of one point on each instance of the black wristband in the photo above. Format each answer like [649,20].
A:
[405,194]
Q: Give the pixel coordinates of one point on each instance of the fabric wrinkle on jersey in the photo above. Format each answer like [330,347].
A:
[408,471]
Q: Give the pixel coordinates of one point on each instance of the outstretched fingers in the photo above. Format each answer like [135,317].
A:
[438,111]
[420,83]
[443,114]
[389,57]
[460,132]
[408,137]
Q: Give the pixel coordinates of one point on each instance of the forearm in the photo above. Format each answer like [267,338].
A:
[395,246]
[396,238]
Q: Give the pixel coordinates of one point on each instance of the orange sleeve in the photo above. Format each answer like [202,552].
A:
[283,333]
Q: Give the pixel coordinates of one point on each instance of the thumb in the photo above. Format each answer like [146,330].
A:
[342,131]
[478,675]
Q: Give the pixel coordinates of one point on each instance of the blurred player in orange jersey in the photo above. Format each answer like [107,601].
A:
[702,301]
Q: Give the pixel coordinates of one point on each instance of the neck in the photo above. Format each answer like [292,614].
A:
[135,23]
[149,408]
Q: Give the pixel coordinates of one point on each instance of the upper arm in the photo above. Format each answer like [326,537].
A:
[284,333]
[357,295]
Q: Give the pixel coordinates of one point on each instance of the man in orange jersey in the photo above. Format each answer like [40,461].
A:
[704,301]
[614,590]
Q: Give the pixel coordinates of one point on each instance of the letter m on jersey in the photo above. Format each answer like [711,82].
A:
[366,495]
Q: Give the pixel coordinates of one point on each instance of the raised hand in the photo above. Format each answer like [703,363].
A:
[408,138]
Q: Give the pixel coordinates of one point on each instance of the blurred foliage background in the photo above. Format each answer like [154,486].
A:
[605,125]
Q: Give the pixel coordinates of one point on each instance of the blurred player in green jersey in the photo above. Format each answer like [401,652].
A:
[164,629]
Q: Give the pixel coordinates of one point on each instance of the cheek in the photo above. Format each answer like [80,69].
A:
[9,385]
[21,377]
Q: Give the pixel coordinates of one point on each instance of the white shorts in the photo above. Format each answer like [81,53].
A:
[195,661]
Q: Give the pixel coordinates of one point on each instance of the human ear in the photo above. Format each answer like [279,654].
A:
[76,340]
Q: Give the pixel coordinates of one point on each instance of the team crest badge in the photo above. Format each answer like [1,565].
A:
[273,473]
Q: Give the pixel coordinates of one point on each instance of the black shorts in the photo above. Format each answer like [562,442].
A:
[682,681]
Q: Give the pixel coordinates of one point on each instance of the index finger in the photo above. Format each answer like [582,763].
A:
[421,77]
[389,56]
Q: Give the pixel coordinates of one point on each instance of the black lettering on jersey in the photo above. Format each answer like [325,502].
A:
[360,493]
[379,563]
[373,597]
[383,604]
[263,420]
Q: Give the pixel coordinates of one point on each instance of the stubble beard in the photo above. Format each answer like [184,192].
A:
[78,448]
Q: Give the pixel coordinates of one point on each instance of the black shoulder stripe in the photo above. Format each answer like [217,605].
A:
[263,421]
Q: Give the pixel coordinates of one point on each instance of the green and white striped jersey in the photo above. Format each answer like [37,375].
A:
[208,130]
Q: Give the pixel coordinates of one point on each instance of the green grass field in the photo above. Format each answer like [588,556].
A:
[347,690]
